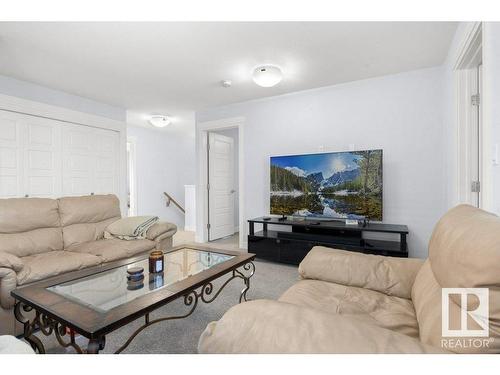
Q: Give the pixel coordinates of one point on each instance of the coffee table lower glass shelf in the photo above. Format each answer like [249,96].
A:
[97,301]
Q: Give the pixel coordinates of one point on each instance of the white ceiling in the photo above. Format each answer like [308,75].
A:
[176,68]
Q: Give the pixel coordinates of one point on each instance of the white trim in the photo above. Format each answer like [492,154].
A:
[133,155]
[468,47]
[202,130]
[29,107]
[468,57]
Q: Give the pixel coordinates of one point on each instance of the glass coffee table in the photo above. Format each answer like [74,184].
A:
[96,301]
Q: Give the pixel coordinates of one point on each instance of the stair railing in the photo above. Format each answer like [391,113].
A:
[172,200]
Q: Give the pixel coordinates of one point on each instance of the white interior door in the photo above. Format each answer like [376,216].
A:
[220,186]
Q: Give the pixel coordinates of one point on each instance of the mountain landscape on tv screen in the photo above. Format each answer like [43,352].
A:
[337,185]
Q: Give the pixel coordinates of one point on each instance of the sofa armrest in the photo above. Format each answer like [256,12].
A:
[9,266]
[161,230]
[8,260]
[8,282]
[264,326]
[388,275]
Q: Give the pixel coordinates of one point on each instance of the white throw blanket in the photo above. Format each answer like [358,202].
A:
[130,228]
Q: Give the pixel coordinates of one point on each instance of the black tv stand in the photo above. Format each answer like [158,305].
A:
[288,241]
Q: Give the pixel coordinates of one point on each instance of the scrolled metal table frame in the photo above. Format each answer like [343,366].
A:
[66,338]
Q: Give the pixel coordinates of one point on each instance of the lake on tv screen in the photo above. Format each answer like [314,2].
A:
[337,185]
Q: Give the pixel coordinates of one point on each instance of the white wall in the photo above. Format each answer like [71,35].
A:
[402,114]
[233,133]
[27,90]
[165,162]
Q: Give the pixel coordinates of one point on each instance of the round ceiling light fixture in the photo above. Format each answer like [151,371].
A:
[160,121]
[267,75]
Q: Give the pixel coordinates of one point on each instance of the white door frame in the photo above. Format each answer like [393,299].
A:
[132,141]
[202,176]
[465,80]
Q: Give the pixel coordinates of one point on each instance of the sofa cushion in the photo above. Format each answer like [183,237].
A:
[88,209]
[42,266]
[32,242]
[389,312]
[389,275]
[113,249]
[76,234]
[25,214]
[29,226]
[276,327]
[84,218]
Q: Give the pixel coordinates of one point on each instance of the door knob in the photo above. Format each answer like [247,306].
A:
[232,191]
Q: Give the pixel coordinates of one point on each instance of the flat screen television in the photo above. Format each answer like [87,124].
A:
[345,185]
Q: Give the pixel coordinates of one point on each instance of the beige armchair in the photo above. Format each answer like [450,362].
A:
[356,303]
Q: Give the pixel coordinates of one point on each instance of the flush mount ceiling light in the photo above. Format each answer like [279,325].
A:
[159,121]
[267,75]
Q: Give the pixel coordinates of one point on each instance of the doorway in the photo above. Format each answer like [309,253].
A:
[204,224]
[468,78]
[222,175]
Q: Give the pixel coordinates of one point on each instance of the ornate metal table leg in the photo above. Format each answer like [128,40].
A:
[246,279]
[96,344]
[29,327]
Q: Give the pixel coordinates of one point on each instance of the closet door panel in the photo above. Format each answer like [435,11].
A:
[90,161]
[106,162]
[42,157]
[78,167]
[11,156]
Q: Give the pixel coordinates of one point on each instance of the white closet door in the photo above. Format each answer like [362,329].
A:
[11,155]
[105,152]
[78,166]
[90,161]
[42,157]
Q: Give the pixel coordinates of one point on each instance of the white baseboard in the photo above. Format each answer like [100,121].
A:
[190,229]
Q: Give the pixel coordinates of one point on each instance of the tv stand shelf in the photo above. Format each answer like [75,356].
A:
[291,244]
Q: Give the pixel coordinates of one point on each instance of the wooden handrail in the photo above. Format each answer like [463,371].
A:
[172,200]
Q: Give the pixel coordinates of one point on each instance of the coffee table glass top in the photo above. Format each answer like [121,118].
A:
[108,289]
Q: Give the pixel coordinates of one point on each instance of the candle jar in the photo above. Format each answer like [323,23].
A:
[156,261]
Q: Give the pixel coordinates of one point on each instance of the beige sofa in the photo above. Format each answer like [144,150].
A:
[356,303]
[41,238]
